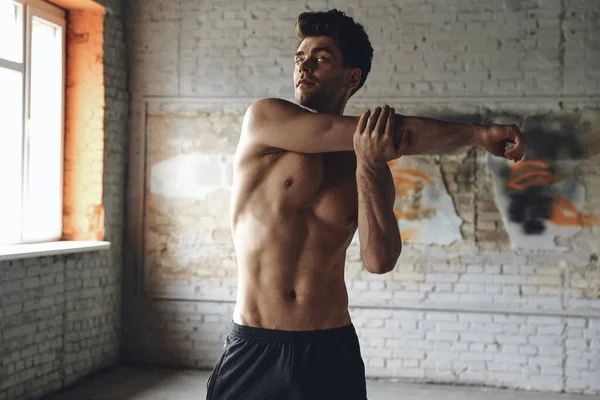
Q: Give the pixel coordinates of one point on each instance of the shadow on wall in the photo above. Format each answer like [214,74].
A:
[541,196]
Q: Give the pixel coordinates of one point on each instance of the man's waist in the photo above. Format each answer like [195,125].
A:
[334,334]
[271,312]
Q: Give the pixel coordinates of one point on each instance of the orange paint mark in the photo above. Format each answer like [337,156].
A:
[414,173]
[407,182]
[564,213]
[400,214]
[410,234]
[530,164]
[415,215]
[528,174]
[404,185]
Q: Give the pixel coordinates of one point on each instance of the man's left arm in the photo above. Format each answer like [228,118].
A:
[379,236]
[378,233]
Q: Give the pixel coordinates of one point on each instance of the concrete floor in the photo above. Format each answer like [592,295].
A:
[127,383]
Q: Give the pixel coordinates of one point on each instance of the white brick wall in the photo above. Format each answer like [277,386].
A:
[468,314]
[432,47]
[514,348]
[518,351]
[60,316]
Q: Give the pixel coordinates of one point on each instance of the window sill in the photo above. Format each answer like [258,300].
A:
[29,250]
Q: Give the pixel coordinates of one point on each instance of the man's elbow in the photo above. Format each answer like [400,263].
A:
[382,263]
[379,268]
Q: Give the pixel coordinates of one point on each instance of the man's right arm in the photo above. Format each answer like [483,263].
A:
[278,124]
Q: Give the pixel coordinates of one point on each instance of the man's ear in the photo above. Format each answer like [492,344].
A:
[354,77]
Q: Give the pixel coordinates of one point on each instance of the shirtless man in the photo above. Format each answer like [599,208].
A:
[305,178]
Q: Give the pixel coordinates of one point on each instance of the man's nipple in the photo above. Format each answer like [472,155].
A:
[288,182]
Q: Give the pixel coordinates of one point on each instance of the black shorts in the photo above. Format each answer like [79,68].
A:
[267,364]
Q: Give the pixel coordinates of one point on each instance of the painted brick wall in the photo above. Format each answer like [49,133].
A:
[508,47]
[474,312]
[60,316]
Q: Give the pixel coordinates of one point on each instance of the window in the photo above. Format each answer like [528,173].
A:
[32,51]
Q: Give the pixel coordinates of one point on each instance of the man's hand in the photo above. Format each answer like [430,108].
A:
[494,139]
[374,137]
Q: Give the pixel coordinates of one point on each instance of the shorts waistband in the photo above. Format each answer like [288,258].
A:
[346,332]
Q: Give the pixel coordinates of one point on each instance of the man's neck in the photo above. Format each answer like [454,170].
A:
[337,109]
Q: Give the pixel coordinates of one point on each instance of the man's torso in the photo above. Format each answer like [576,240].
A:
[293,217]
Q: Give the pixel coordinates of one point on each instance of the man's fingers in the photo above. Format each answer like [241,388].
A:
[390,125]
[382,121]
[516,156]
[362,122]
[373,119]
[517,152]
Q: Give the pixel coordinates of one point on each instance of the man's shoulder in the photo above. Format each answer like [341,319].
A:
[269,113]
[270,105]
[262,119]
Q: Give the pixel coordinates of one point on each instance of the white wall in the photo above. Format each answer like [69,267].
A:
[473,312]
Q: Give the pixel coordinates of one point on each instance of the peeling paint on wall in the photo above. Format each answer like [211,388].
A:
[541,198]
[445,203]
[193,175]
[423,207]
[187,236]
[539,202]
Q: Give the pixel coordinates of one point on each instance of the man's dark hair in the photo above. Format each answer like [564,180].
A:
[354,43]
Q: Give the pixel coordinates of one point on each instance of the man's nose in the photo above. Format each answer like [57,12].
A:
[305,66]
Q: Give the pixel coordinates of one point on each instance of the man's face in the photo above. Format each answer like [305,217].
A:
[319,75]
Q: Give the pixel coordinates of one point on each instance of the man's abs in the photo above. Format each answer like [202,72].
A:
[293,219]
[267,300]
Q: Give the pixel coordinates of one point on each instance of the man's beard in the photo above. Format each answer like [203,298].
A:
[313,99]
[309,100]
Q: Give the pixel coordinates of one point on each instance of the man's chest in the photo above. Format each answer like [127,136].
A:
[323,183]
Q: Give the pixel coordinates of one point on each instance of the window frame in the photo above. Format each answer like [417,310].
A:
[51,14]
